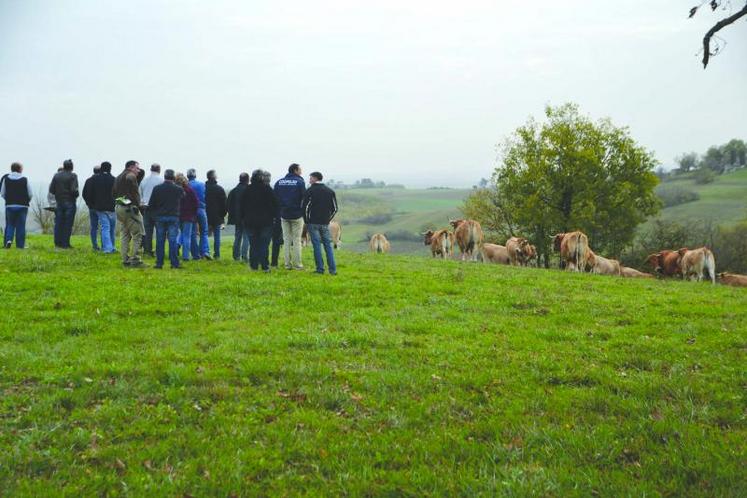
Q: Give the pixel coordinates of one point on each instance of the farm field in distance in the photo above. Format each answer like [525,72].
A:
[401,376]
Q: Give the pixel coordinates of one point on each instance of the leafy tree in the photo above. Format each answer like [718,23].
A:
[704,175]
[731,19]
[687,162]
[569,173]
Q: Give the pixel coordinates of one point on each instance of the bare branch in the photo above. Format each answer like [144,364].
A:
[715,29]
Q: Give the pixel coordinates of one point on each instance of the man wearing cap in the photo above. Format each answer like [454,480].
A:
[127,199]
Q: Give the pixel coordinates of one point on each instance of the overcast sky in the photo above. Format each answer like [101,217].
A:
[417,92]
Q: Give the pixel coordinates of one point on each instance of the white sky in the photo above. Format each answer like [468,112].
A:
[417,92]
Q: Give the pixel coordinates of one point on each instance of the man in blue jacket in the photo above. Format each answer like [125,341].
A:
[203,250]
[290,191]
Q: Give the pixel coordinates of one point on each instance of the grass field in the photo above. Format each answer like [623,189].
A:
[402,376]
[724,201]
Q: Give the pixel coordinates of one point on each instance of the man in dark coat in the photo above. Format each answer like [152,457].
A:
[92,216]
[259,207]
[319,207]
[215,207]
[103,203]
[165,206]
[241,236]
[64,189]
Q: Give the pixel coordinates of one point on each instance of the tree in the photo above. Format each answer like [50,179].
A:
[687,162]
[715,4]
[569,173]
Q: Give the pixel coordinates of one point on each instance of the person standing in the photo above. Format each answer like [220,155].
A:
[319,207]
[259,208]
[103,203]
[187,215]
[127,199]
[203,249]
[64,188]
[241,236]
[164,206]
[215,208]
[16,190]
[146,188]
[93,217]
[290,192]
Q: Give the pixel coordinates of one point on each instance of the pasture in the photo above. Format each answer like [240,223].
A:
[402,376]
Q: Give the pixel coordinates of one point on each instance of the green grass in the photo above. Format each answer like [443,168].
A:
[402,376]
[723,201]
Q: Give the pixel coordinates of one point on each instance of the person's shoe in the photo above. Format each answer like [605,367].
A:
[288,267]
[8,244]
[266,270]
[207,256]
[158,267]
[299,268]
[333,274]
[126,263]
[138,264]
[96,249]
[319,272]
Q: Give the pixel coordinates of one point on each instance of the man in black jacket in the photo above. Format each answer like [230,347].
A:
[103,203]
[164,205]
[93,218]
[259,208]
[215,208]
[319,207]
[241,236]
[64,188]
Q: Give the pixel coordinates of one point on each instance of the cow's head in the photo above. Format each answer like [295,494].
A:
[655,260]
[557,240]
[455,223]
[428,237]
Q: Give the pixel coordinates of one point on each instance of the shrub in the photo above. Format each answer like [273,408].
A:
[674,195]
[704,176]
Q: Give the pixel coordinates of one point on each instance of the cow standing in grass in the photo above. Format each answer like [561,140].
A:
[379,244]
[469,237]
[694,262]
[520,251]
[665,263]
[441,243]
[573,248]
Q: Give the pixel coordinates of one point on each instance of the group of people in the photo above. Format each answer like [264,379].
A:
[183,211]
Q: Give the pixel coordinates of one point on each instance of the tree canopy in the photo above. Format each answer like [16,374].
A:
[569,173]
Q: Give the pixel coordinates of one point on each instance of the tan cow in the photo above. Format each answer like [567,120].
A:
[693,262]
[335,233]
[633,273]
[601,265]
[441,242]
[493,253]
[519,250]
[573,248]
[733,279]
[468,234]
[379,244]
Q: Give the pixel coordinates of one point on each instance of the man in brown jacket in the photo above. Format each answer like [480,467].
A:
[127,200]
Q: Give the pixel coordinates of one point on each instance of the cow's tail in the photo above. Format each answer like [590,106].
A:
[709,262]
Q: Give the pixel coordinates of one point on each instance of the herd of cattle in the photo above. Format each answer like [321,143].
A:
[574,250]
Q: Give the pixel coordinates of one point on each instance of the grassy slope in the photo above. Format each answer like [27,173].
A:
[723,201]
[403,375]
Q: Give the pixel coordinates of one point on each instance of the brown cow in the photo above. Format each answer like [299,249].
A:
[493,253]
[530,254]
[665,263]
[335,233]
[379,244]
[733,279]
[520,251]
[441,242]
[468,234]
[694,261]
[573,248]
[633,273]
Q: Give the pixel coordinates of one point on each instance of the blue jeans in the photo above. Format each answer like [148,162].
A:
[93,216]
[15,225]
[187,228]
[108,221]
[259,247]
[216,242]
[203,248]
[167,226]
[320,236]
[240,243]
[64,216]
